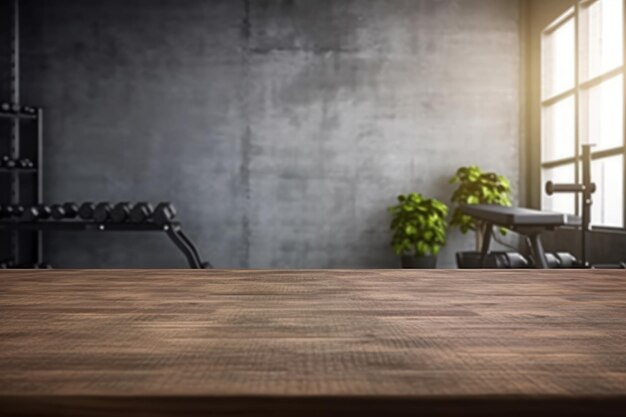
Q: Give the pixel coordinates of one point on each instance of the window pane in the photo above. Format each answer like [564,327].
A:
[557,50]
[608,200]
[558,130]
[562,203]
[602,114]
[602,37]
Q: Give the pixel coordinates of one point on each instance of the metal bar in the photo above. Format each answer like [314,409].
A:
[15,126]
[183,246]
[564,188]
[17,169]
[15,54]
[173,231]
[85,226]
[10,115]
[39,167]
[576,100]
[484,250]
[184,237]
[586,209]
[624,115]
[538,251]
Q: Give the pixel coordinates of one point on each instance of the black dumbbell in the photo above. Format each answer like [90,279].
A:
[121,212]
[141,212]
[25,163]
[5,107]
[45,212]
[7,162]
[102,212]
[85,211]
[64,211]
[34,213]
[164,213]
[7,265]
[18,210]
[30,214]
[566,260]
[71,210]
[6,211]
[58,211]
[43,265]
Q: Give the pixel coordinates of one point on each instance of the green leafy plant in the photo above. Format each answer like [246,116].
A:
[418,225]
[477,187]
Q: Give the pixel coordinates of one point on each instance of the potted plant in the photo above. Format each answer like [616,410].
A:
[476,187]
[419,230]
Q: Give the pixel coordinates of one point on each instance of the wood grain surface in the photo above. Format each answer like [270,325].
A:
[313,342]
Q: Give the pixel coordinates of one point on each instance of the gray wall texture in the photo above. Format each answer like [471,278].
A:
[280,129]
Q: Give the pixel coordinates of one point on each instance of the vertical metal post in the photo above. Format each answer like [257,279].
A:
[39,184]
[539,253]
[486,243]
[15,126]
[624,115]
[15,95]
[15,54]
[588,189]
[577,104]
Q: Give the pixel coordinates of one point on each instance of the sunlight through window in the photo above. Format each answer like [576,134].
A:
[585,106]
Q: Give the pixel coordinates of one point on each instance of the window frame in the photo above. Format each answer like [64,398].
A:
[574,12]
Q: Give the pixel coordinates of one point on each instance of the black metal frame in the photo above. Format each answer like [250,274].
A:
[23,185]
[23,239]
[586,189]
[173,231]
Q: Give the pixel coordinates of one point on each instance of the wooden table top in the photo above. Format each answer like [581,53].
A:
[313,342]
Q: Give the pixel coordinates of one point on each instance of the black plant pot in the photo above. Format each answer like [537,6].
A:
[419,262]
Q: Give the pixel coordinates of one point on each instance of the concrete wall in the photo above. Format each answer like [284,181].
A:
[280,129]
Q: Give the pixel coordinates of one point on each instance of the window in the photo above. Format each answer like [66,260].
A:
[582,101]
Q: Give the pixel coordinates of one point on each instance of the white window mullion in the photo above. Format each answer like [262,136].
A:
[583,94]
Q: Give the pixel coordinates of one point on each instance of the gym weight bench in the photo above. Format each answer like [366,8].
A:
[525,221]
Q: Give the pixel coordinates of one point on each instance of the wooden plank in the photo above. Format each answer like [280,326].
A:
[372,342]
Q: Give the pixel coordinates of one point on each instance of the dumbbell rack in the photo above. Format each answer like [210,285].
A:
[172,229]
[21,133]
[23,186]
[20,241]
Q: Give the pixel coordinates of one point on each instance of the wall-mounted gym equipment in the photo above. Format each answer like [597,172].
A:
[23,216]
